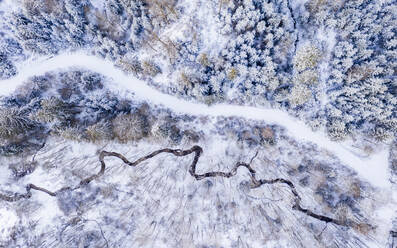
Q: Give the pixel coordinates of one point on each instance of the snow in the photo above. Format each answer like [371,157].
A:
[212,40]
[296,3]
[8,5]
[5,173]
[203,17]
[387,212]
[201,13]
[328,36]
[8,220]
[98,4]
[373,169]
[328,39]
[152,199]
[48,213]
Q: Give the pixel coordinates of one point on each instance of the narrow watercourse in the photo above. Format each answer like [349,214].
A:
[197,150]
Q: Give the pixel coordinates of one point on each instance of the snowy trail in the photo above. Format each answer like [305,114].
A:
[373,169]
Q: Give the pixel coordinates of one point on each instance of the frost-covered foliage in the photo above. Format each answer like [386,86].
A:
[99,131]
[71,104]
[360,80]
[306,74]
[253,134]
[299,95]
[13,122]
[306,58]
[166,128]
[259,59]
[119,28]
[18,133]
[255,62]
[112,29]
[9,50]
[53,110]
[260,52]
[75,105]
[130,127]
[330,63]
[7,69]
[46,27]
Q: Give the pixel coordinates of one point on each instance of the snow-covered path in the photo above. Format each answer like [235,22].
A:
[373,169]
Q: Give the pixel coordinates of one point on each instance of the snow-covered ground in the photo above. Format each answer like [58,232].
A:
[8,220]
[373,169]
[144,206]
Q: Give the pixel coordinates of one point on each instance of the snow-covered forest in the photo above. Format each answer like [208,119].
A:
[301,94]
[318,60]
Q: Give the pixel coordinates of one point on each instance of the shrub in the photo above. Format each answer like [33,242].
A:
[191,136]
[70,133]
[159,130]
[167,129]
[7,68]
[132,66]
[151,69]
[189,80]
[129,127]
[22,169]
[13,122]
[267,135]
[35,86]
[306,57]
[232,74]
[99,131]
[380,133]
[203,59]
[52,110]
[308,77]
[161,12]
[336,129]
[299,95]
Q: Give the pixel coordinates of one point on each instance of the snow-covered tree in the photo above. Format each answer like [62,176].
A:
[53,110]
[7,69]
[99,131]
[13,122]
[299,95]
[130,127]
